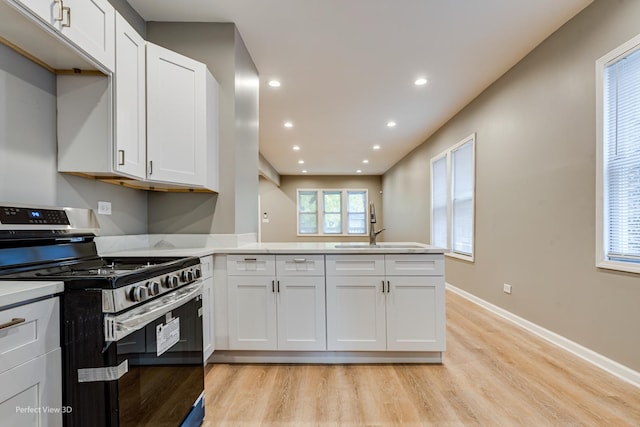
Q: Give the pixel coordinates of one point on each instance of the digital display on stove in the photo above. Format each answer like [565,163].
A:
[10,215]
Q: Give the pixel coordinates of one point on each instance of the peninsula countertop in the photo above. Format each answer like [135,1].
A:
[167,250]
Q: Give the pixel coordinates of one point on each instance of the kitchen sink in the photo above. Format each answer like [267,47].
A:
[378,245]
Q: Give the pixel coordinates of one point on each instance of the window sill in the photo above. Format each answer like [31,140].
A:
[619,266]
[467,258]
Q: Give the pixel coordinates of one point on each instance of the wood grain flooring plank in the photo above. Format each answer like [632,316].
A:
[493,374]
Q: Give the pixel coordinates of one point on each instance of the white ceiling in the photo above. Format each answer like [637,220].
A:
[347,67]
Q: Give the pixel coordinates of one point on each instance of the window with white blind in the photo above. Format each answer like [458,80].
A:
[336,212]
[618,158]
[453,199]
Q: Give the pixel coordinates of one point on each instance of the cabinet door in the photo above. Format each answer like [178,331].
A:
[415,313]
[176,117]
[90,25]
[356,313]
[30,389]
[207,318]
[252,313]
[130,102]
[301,313]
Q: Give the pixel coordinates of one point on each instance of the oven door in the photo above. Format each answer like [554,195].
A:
[162,354]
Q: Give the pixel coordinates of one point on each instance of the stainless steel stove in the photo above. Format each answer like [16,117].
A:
[131,327]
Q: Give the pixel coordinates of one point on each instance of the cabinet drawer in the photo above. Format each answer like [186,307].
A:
[251,265]
[299,265]
[414,265]
[35,331]
[355,265]
[31,388]
[206,263]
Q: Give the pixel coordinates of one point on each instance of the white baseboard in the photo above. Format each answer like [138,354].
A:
[596,359]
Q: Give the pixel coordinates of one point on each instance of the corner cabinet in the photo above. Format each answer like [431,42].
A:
[153,124]
[180,94]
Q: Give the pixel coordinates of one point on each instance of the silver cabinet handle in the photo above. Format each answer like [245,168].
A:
[68,10]
[60,16]
[150,167]
[299,260]
[15,321]
[120,157]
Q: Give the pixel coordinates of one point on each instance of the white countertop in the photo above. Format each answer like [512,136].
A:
[282,248]
[16,291]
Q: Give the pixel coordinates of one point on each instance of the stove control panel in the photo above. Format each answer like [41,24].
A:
[119,299]
[10,215]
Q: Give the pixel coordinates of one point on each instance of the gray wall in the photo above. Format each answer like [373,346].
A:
[130,14]
[28,164]
[235,208]
[535,190]
[280,204]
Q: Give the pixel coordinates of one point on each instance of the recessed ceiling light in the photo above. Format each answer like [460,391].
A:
[304,171]
[296,148]
[376,147]
[274,83]
[391,124]
[365,161]
[301,162]
[288,124]
[420,81]
[359,171]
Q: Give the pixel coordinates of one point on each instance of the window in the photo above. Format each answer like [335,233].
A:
[327,211]
[453,199]
[618,158]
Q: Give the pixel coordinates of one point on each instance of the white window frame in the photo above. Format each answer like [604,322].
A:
[448,155]
[602,260]
[320,211]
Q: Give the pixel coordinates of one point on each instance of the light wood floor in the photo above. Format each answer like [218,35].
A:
[494,374]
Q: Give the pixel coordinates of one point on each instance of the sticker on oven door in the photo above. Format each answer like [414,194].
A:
[167,335]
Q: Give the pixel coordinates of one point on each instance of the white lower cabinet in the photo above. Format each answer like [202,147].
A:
[347,303]
[276,310]
[208,339]
[30,365]
[356,314]
[372,312]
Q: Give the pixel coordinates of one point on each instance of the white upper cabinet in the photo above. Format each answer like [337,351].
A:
[88,24]
[178,91]
[130,105]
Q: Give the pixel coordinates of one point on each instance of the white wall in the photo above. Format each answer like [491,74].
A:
[535,190]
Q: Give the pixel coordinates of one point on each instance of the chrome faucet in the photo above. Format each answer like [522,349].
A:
[372,220]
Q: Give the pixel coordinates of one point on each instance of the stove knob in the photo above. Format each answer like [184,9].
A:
[198,273]
[187,276]
[153,287]
[139,293]
[172,281]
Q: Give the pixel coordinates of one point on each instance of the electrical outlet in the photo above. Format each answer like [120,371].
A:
[104,208]
[507,289]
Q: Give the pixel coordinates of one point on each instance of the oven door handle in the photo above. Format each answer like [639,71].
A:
[119,326]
